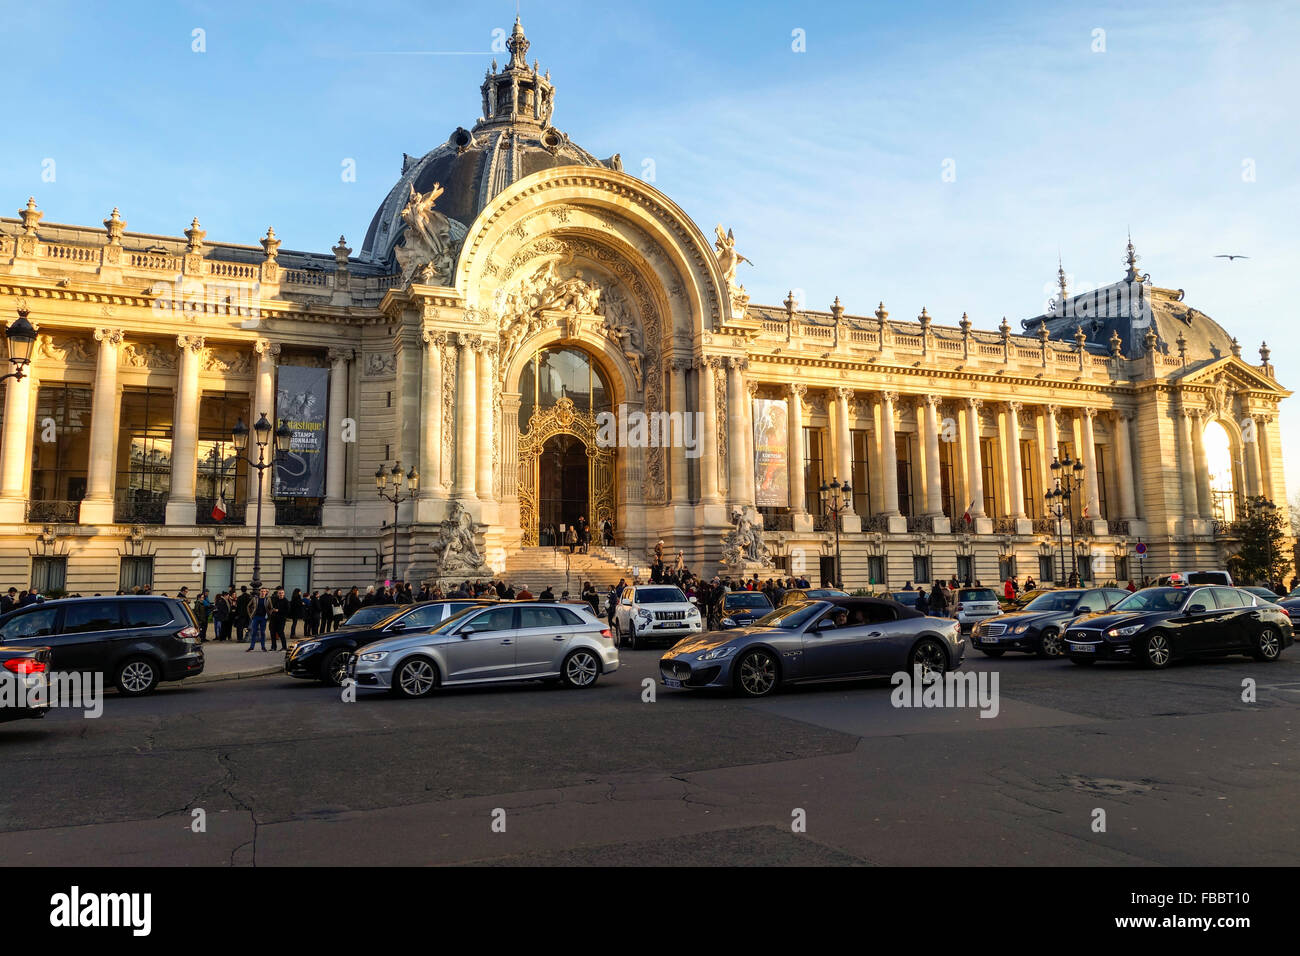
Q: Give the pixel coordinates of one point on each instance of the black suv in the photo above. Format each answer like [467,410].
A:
[1036,628]
[324,657]
[135,640]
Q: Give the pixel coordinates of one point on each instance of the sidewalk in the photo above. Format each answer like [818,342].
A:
[227,660]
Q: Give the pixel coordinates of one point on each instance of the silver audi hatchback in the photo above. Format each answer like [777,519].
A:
[501,642]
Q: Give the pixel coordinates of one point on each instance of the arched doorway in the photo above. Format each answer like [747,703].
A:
[564,473]
[1219,462]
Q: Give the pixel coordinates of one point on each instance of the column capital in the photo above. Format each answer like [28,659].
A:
[889,397]
[738,362]
[1263,418]
[974,404]
[189,343]
[111,336]
[467,340]
[341,355]
[1015,408]
[1052,411]
[932,401]
[844,393]
[798,390]
[1122,415]
[682,364]
[1089,411]
[752,386]
[435,337]
[266,347]
[710,362]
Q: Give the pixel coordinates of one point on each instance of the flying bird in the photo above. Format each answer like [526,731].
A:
[1224,256]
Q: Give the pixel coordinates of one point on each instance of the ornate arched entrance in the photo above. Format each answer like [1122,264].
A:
[564,472]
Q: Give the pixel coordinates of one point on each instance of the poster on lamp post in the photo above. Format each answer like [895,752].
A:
[771,456]
[301,401]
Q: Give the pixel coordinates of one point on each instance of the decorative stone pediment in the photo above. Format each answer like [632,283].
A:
[1236,375]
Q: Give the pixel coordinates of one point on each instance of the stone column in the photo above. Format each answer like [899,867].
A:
[263,403]
[796,449]
[1264,452]
[431,416]
[1015,478]
[335,448]
[844,434]
[888,455]
[1091,480]
[485,392]
[466,413]
[975,466]
[736,433]
[751,391]
[678,479]
[929,413]
[1124,465]
[1187,463]
[16,444]
[185,432]
[1250,458]
[708,436]
[1053,445]
[1205,504]
[97,507]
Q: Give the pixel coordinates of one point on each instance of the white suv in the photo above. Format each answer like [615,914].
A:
[975,604]
[654,612]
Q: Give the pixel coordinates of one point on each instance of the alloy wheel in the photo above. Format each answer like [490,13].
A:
[1270,645]
[136,677]
[1158,650]
[416,678]
[580,669]
[929,657]
[1052,644]
[757,674]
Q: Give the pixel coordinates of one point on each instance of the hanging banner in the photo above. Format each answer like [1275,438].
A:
[301,400]
[771,453]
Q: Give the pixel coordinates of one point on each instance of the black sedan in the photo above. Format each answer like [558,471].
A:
[799,596]
[324,657]
[1036,628]
[1155,626]
[740,608]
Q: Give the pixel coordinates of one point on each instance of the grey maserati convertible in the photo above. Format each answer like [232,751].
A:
[831,639]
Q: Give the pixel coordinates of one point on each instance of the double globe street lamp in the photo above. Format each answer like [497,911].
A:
[836,499]
[1068,478]
[389,484]
[283,438]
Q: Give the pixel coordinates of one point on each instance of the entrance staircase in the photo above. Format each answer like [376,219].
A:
[539,568]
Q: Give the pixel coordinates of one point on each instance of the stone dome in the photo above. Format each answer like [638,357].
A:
[513,138]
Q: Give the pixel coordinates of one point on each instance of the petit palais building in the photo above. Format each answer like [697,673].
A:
[512,293]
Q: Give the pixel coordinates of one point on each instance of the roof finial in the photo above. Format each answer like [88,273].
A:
[518,47]
[1060,279]
[1132,258]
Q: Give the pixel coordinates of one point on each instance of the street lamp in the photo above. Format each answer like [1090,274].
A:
[836,499]
[1068,476]
[262,434]
[394,478]
[21,336]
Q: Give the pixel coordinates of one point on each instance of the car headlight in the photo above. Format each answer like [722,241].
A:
[1018,629]
[644,615]
[729,621]
[1124,631]
[302,647]
[718,653]
[373,656]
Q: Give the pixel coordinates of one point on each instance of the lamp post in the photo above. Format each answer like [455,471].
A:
[262,431]
[1068,478]
[836,499]
[21,336]
[383,479]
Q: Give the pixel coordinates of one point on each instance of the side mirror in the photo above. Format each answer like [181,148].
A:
[826,624]
[397,626]
[1197,609]
[466,632]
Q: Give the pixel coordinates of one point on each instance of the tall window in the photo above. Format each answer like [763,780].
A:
[552,374]
[920,568]
[144,450]
[1047,566]
[861,473]
[221,472]
[988,449]
[965,568]
[1029,479]
[947,486]
[61,443]
[136,574]
[1099,451]
[903,450]
[814,471]
[1218,458]
[49,574]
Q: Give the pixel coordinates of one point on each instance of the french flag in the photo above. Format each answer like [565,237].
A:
[219,509]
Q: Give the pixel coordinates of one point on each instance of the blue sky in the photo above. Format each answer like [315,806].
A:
[827,163]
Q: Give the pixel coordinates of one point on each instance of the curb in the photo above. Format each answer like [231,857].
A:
[206,678]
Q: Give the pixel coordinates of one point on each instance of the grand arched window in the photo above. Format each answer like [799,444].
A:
[1218,459]
[552,374]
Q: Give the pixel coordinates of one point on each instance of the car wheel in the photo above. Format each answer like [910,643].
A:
[631,637]
[1157,651]
[580,669]
[993,653]
[1268,645]
[1083,661]
[757,674]
[415,677]
[334,668]
[929,656]
[136,676]
[1050,645]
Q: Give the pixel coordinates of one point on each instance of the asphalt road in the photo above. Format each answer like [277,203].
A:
[287,773]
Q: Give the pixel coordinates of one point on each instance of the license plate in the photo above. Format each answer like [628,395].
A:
[1083,648]
[988,640]
[672,682]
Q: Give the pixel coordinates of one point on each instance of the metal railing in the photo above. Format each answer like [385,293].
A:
[920,524]
[141,510]
[301,512]
[236,512]
[58,512]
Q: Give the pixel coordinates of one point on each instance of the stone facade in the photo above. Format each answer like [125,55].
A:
[947,432]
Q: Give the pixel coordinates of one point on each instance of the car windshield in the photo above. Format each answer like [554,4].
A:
[906,597]
[792,616]
[977,594]
[1154,599]
[373,614]
[660,596]
[747,599]
[1053,601]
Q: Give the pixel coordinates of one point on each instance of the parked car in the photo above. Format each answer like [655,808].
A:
[1265,594]
[135,640]
[1177,579]
[743,607]
[654,612]
[24,682]
[324,657]
[835,638]
[1156,626]
[800,596]
[905,598]
[975,604]
[1037,627]
[371,614]
[545,641]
